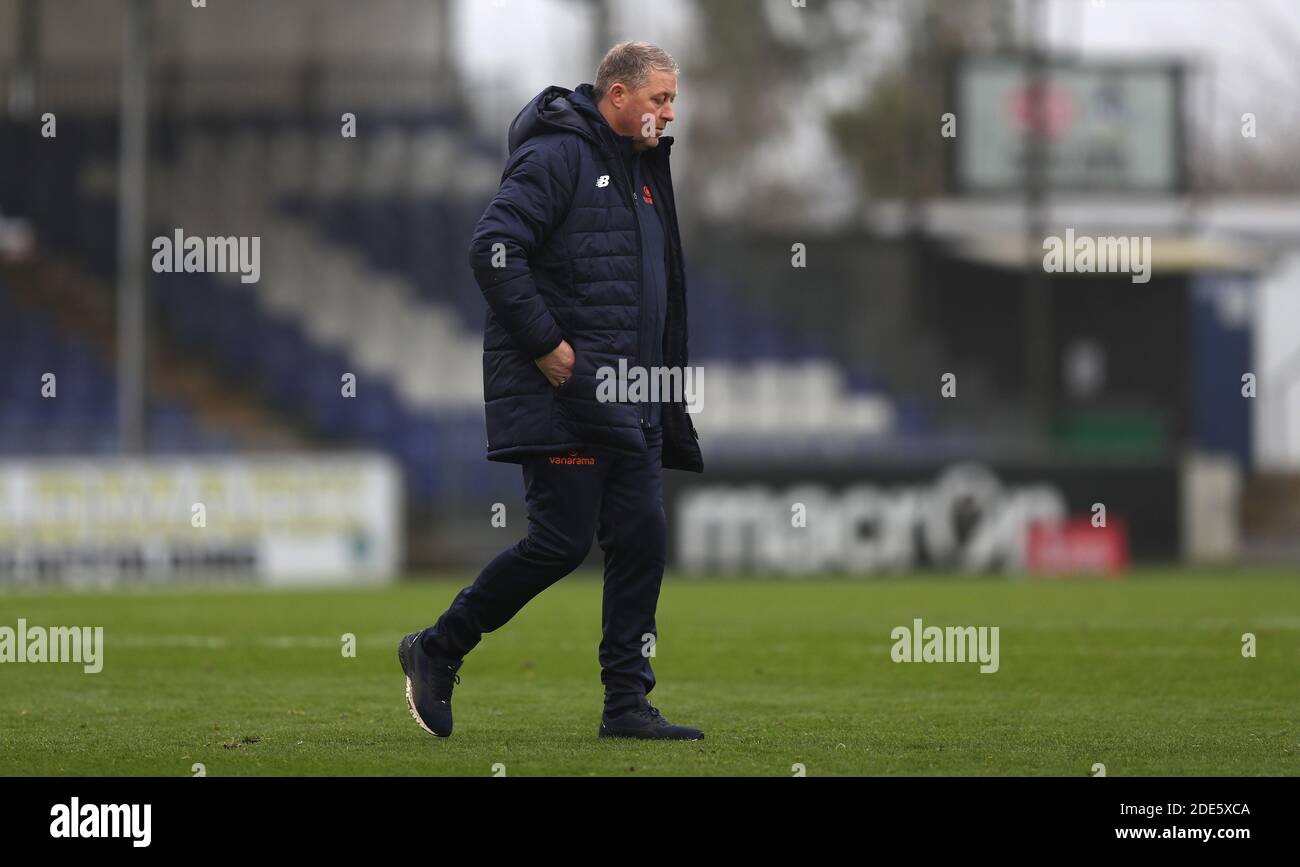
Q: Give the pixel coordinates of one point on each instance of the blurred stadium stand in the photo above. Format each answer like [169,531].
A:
[833,368]
[365,271]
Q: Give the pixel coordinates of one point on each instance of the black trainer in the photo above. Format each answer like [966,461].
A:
[645,722]
[429,682]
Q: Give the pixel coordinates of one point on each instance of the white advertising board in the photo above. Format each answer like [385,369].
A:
[282,518]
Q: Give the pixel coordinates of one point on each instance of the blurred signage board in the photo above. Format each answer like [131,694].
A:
[1107,127]
[284,519]
[966,517]
[1077,547]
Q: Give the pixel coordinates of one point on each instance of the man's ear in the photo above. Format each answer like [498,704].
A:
[617,93]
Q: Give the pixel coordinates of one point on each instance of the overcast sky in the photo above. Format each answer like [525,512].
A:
[534,43]
[1247,41]
[1252,45]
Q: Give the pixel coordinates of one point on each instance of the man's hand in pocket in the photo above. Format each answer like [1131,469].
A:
[557,365]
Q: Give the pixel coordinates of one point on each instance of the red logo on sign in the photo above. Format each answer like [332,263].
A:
[1076,546]
[1048,110]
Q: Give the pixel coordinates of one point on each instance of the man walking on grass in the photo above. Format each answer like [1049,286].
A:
[580,261]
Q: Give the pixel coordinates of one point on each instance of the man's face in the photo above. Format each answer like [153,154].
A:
[643,113]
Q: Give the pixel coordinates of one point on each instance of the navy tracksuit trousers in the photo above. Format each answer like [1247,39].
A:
[618,499]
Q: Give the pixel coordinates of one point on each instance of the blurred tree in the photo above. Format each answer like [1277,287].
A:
[1222,159]
[749,78]
[892,136]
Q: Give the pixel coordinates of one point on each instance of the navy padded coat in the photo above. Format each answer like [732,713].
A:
[557,255]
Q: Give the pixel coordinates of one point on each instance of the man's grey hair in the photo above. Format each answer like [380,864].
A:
[631,64]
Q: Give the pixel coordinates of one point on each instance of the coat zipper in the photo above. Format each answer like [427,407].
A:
[640,276]
[675,232]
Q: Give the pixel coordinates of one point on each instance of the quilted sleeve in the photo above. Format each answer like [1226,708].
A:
[533,199]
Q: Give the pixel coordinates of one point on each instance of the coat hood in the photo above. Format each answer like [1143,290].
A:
[557,109]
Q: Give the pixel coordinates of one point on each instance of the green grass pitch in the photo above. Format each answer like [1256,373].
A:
[1144,675]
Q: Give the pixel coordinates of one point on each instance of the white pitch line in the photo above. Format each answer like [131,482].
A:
[224,642]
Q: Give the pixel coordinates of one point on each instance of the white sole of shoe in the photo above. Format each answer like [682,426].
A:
[410,703]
